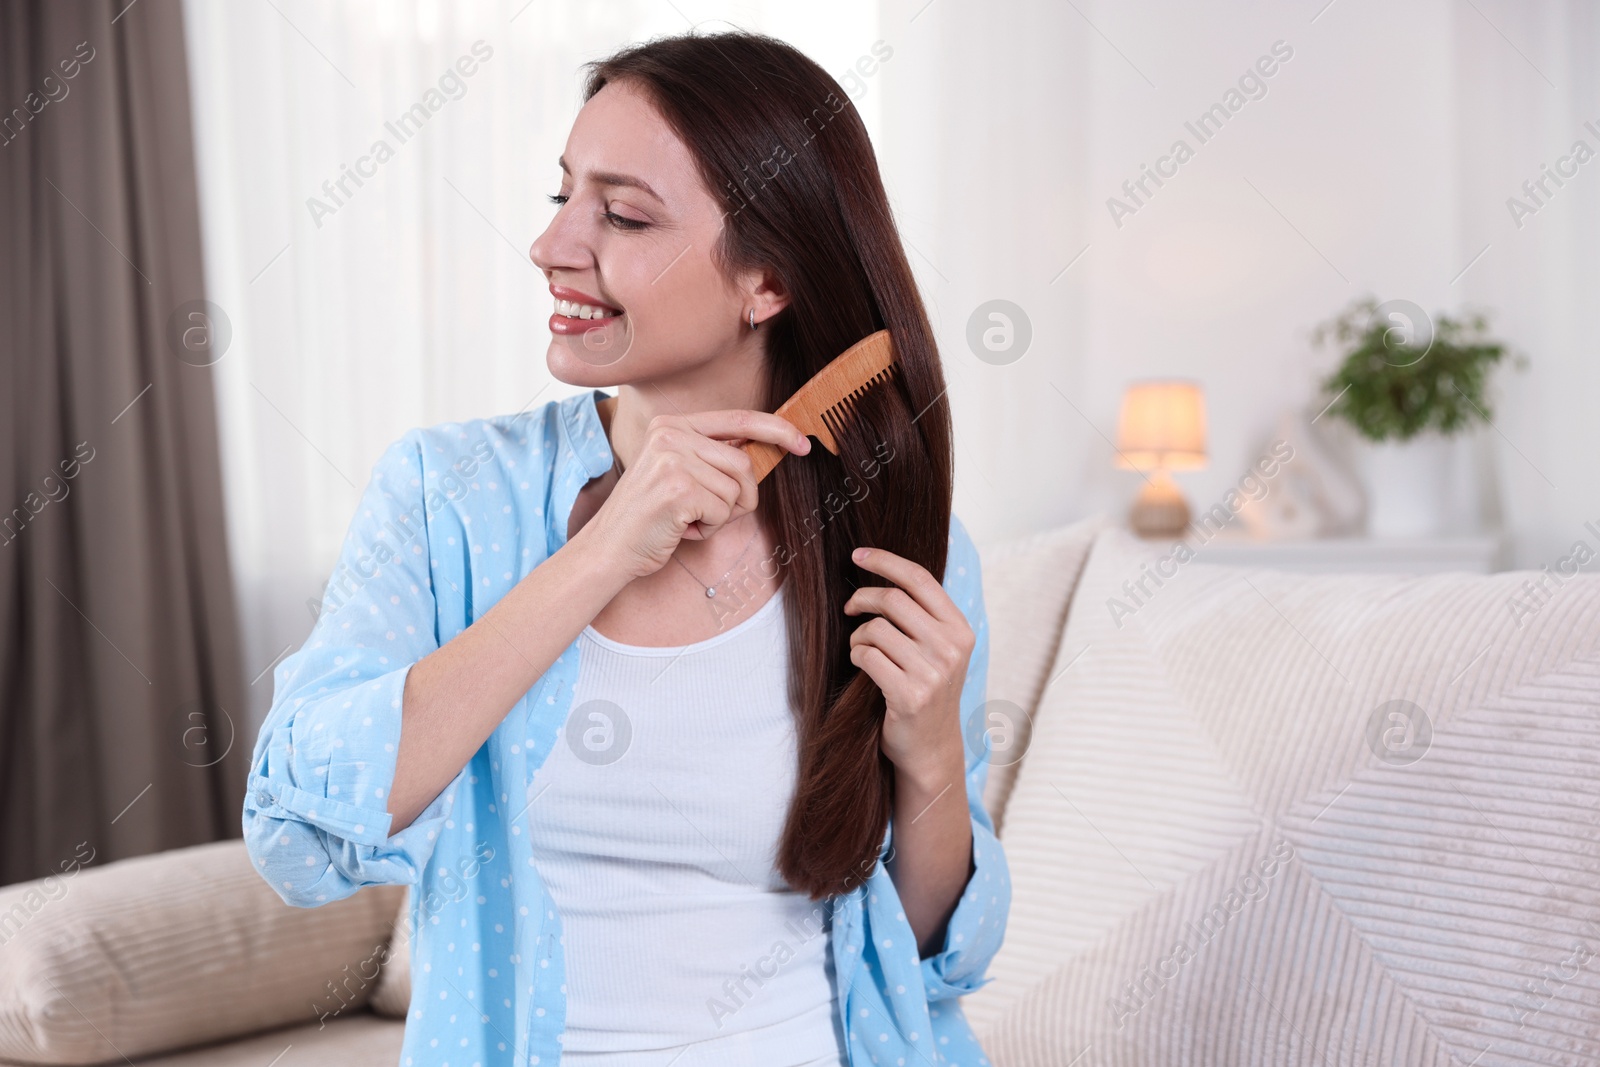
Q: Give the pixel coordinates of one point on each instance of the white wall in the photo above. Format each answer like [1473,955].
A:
[1378,162]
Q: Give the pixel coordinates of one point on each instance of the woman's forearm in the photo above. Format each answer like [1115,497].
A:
[457,695]
[931,860]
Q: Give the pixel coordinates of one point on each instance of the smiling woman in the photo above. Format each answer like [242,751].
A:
[667,760]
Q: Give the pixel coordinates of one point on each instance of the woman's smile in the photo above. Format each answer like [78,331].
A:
[579,313]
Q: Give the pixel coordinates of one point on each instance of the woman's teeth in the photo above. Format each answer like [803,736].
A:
[584,311]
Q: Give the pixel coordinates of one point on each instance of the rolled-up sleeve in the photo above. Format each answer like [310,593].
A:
[315,818]
[977,926]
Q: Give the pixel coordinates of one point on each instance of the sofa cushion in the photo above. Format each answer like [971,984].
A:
[392,998]
[357,1039]
[1283,819]
[174,949]
[1027,585]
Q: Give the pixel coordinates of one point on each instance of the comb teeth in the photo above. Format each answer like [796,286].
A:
[840,415]
[822,407]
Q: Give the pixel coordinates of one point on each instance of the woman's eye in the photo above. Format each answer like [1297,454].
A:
[621,222]
[624,223]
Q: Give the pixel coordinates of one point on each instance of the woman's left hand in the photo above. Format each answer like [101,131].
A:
[917,651]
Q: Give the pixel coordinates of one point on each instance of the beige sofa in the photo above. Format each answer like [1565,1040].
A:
[1252,817]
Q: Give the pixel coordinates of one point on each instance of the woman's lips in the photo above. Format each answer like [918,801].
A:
[571,324]
[567,324]
[578,296]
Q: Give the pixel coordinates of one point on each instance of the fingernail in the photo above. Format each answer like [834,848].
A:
[859,554]
[805,445]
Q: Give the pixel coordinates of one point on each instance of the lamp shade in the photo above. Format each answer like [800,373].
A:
[1162,426]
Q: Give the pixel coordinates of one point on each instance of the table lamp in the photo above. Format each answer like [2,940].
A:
[1162,429]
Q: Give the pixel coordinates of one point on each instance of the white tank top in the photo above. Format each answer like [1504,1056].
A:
[655,824]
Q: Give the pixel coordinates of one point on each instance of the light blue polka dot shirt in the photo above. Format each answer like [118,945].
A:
[455,515]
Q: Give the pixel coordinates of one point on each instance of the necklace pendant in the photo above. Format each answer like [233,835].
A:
[711,591]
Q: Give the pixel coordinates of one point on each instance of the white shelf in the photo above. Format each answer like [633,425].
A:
[1481,554]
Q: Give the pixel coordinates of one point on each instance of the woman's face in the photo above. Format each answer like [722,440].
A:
[634,235]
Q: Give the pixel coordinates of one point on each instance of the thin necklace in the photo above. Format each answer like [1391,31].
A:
[711,590]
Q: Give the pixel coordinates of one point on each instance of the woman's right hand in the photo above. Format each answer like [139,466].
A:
[689,478]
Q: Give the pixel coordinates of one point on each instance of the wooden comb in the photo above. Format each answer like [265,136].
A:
[826,404]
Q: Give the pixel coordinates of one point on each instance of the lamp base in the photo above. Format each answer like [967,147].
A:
[1160,509]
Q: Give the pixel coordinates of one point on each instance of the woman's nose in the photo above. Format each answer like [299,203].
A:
[556,247]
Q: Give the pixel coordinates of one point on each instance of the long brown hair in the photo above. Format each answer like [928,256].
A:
[780,143]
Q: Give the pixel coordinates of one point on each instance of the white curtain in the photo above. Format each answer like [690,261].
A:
[407,299]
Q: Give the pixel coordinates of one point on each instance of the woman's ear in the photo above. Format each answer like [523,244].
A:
[764,291]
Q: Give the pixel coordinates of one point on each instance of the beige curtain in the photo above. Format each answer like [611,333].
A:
[121,689]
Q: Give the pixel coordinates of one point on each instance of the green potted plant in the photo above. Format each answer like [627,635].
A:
[1410,385]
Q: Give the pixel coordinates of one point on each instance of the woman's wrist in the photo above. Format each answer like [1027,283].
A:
[935,771]
[597,560]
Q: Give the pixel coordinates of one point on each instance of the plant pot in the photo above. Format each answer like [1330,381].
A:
[1409,485]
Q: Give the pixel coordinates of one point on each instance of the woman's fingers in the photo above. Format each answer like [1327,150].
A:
[879,667]
[913,578]
[709,436]
[690,479]
[713,512]
[920,610]
[745,424]
[901,649]
[687,481]
[732,462]
[897,606]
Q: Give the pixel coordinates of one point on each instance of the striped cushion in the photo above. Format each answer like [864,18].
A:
[392,998]
[1279,819]
[357,1040]
[1027,585]
[173,949]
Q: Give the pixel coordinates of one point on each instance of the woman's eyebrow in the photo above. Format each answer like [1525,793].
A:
[612,178]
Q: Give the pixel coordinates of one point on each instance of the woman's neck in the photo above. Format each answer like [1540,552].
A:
[626,417]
